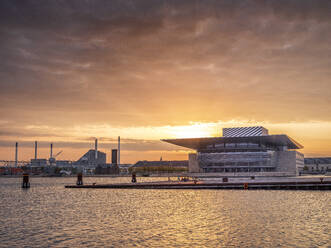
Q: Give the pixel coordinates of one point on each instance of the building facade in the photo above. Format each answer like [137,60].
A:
[244,150]
[91,159]
[319,165]
[161,166]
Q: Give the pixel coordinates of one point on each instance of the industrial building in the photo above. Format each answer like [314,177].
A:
[245,150]
[107,169]
[93,161]
[92,158]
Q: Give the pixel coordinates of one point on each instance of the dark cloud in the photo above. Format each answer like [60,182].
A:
[164,62]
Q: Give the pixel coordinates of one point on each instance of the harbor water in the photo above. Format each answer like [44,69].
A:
[49,215]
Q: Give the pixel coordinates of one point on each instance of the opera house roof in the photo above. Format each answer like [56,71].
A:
[267,140]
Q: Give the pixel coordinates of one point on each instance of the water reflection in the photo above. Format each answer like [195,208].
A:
[49,215]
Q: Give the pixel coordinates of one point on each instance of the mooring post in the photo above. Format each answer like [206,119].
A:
[80,179]
[25,183]
[134,178]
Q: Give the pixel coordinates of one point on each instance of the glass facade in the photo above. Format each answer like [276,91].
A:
[236,157]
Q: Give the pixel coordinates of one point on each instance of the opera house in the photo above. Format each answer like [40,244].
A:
[244,150]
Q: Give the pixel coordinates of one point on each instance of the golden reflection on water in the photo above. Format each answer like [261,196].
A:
[50,215]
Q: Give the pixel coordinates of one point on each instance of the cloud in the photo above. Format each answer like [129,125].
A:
[155,63]
[133,146]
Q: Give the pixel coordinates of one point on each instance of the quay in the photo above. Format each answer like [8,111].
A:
[290,184]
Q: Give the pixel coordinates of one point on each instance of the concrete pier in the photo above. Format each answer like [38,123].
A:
[308,184]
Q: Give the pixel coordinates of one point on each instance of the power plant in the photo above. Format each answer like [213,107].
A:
[93,161]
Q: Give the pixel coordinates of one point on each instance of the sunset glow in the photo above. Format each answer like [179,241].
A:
[192,131]
[160,74]
[165,123]
[76,140]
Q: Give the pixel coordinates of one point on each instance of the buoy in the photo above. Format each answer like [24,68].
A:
[25,183]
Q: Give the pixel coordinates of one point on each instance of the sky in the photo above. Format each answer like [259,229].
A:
[72,71]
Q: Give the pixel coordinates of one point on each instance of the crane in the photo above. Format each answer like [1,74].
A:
[52,159]
[57,154]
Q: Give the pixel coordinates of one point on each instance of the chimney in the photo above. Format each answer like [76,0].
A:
[114,156]
[16,151]
[51,155]
[35,149]
[119,150]
[96,149]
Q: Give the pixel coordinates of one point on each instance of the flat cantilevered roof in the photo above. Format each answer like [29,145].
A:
[268,140]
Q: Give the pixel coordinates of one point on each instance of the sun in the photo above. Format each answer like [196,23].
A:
[192,131]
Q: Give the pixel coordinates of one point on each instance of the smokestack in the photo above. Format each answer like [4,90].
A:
[35,149]
[16,150]
[51,155]
[119,150]
[114,156]
[96,149]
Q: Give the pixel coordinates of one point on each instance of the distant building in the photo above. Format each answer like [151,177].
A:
[318,165]
[244,150]
[171,163]
[161,166]
[63,163]
[124,168]
[107,169]
[11,171]
[39,162]
[89,159]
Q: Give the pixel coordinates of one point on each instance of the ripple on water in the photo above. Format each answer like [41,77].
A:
[49,215]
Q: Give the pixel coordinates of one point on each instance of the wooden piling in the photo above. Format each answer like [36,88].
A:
[25,182]
[134,178]
[79,179]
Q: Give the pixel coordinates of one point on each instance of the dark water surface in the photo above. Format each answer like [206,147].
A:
[48,215]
